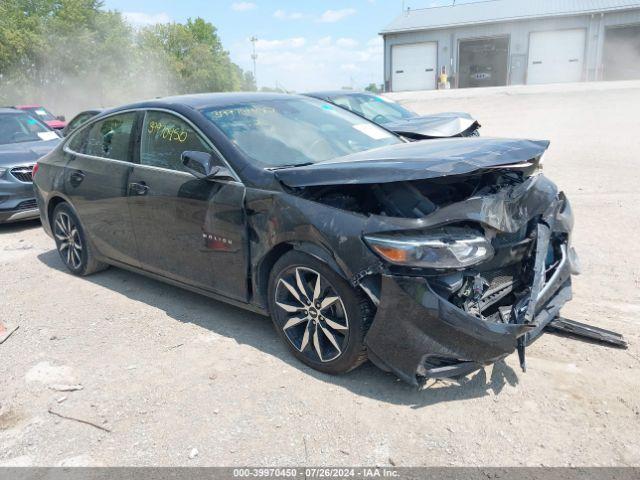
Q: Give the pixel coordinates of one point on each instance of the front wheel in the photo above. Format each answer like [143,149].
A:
[72,243]
[321,318]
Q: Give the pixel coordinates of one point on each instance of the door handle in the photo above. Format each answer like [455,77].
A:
[77,177]
[139,188]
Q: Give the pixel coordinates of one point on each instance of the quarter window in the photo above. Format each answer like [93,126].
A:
[111,137]
[79,120]
[164,138]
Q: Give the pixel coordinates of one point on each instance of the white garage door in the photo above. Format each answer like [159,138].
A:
[414,66]
[556,57]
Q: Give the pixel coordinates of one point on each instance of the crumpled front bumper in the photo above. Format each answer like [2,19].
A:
[414,325]
[418,334]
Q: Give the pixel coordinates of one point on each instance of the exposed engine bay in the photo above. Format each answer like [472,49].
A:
[475,254]
[413,199]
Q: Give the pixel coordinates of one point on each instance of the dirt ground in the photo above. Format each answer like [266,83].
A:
[178,379]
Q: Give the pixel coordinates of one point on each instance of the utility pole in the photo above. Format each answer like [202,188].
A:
[254,57]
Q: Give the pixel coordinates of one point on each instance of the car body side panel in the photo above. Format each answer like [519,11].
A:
[276,218]
[191,230]
[97,190]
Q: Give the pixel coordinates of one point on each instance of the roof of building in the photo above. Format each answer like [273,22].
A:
[492,11]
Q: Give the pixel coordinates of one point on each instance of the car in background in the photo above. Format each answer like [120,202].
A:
[23,140]
[80,119]
[44,115]
[429,258]
[396,118]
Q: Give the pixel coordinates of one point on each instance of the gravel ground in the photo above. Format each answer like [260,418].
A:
[178,379]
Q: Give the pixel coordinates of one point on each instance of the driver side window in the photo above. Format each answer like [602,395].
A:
[164,137]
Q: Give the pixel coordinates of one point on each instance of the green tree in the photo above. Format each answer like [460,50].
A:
[373,88]
[195,57]
[73,54]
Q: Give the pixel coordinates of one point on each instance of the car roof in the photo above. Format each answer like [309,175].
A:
[5,110]
[335,93]
[92,110]
[20,107]
[202,101]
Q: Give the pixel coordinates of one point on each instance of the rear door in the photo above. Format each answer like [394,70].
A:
[96,180]
[187,229]
[414,66]
[556,56]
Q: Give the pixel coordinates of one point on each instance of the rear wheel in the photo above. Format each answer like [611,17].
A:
[73,245]
[321,318]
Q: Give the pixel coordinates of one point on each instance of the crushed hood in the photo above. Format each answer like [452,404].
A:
[414,161]
[441,125]
[23,153]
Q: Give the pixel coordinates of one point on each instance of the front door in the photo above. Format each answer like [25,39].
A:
[96,179]
[187,229]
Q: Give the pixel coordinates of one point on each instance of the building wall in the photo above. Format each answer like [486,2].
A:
[518,32]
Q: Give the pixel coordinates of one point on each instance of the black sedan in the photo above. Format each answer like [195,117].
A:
[400,120]
[23,140]
[431,258]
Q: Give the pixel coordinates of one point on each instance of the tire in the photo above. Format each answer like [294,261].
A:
[74,248]
[329,339]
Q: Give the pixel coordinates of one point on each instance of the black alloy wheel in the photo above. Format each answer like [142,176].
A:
[320,316]
[74,248]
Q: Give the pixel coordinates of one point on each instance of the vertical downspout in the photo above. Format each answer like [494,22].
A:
[452,63]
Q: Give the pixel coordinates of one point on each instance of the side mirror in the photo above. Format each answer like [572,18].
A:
[62,118]
[202,165]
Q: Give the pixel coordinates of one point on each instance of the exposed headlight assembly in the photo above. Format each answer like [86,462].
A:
[450,248]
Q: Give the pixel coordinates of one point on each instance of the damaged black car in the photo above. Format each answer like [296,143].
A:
[432,259]
[400,120]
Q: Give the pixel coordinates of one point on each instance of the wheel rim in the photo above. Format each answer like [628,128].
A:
[311,314]
[68,239]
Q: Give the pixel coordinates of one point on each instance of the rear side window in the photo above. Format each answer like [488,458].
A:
[111,137]
[164,137]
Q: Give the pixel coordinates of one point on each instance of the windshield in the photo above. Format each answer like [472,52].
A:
[377,109]
[20,127]
[296,131]
[42,113]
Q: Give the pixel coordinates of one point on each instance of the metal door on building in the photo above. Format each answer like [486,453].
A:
[414,66]
[483,62]
[556,56]
[622,53]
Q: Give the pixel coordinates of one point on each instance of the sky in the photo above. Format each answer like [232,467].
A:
[302,45]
